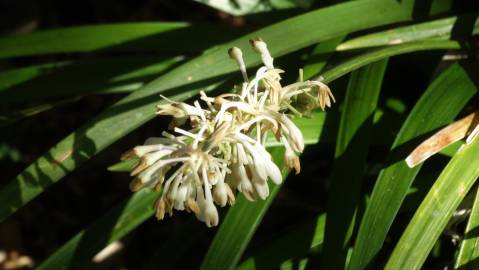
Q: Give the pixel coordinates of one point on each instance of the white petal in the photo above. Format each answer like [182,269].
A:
[294,133]
[201,202]
[210,212]
[141,150]
[271,168]
[220,194]
[274,173]
[211,215]
[179,202]
[261,187]
[242,157]
[244,184]
[259,162]
[152,157]
[191,110]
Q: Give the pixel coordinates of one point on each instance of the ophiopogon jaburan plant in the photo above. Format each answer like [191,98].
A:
[353,201]
[224,148]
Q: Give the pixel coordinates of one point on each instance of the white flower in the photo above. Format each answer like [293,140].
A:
[223,149]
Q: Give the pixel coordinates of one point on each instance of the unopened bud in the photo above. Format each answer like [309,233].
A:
[260,47]
[236,54]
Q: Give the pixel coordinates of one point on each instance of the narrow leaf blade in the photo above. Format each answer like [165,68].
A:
[394,180]
[436,209]
[351,150]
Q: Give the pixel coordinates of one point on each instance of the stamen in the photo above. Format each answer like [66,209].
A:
[186,133]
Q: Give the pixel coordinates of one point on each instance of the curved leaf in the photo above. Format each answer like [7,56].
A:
[154,36]
[294,243]
[238,226]
[183,82]
[436,209]
[108,75]
[394,180]
[12,77]
[352,146]
[114,225]
[469,251]
[437,29]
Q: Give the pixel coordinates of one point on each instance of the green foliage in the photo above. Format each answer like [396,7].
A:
[372,193]
[395,179]
[352,144]
[436,209]
[468,253]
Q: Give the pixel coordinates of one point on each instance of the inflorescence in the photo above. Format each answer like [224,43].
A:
[223,150]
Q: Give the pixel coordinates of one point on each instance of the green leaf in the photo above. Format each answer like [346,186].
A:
[124,166]
[294,243]
[308,127]
[110,75]
[11,118]
[384,52]
[12,77]
[319,57]
[351,150]
[436,209]
[157,36]
[114,225]
[137,208]
[239,225]
[396,177]
[437,29]
[204,73]
[469,251]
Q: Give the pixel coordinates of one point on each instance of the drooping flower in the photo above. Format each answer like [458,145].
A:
[223,150]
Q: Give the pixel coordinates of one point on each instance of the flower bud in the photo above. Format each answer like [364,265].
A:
[290,158]
[211,215]
[260,47]
[192,206]
[244,185]
[236,54]
[160,208]
[220,194]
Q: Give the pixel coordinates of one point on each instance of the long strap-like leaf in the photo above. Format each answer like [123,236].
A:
[437,29]
[154,36]
[351,150]
[468,258]
[437,107]
[436,209]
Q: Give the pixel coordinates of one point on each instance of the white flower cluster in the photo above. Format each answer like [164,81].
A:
[223,149]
